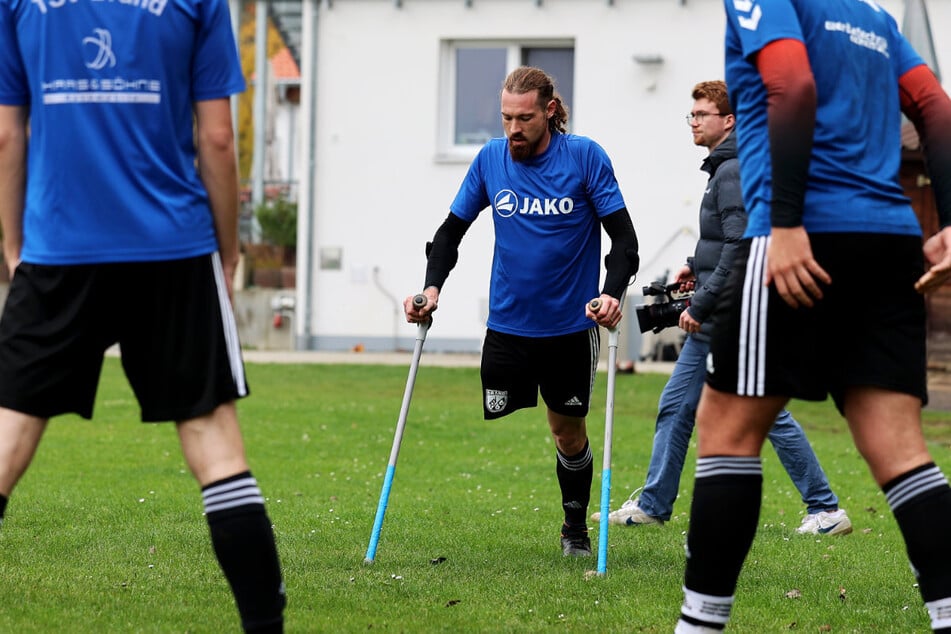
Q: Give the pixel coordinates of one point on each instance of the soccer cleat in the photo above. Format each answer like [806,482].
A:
[826,523]
[575,543]
[630,514]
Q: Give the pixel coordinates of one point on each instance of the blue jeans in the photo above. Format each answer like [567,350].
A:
[676,415]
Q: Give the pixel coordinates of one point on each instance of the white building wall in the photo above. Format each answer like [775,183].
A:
[379,190]
[284,141]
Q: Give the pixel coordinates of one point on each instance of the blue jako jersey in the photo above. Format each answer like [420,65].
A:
[110,86]
[857,55]
[546,263]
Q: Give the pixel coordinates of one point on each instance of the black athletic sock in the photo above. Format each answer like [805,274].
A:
[725,487]
[574,477]
[3,507]
[921,503]
[243,541]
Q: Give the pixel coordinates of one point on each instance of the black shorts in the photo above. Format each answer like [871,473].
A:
[172,320]
[868,329]
[515,368]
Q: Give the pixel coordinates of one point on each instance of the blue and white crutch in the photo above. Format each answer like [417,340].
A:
[418,301]
[613,336]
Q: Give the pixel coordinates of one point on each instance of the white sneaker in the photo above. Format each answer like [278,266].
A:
[826,523]
[630,514]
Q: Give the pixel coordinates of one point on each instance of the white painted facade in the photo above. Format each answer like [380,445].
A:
[283,148]
[380,183]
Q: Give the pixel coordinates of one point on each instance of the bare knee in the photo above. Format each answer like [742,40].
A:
[212,445]
[21,434]
[569,432]
[733,425]
[886,427]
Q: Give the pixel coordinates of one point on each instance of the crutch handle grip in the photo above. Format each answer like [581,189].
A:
[419,300]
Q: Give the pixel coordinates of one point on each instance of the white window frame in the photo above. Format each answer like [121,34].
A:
[448,150]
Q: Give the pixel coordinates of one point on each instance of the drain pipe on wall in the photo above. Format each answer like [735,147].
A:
[397,307]
[259,112]
[306,221]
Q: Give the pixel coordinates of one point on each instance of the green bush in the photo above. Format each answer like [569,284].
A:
[278,220]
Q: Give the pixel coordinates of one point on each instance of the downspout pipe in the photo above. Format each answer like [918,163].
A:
[307,218]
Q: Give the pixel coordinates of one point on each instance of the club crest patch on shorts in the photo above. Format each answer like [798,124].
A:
[496,400]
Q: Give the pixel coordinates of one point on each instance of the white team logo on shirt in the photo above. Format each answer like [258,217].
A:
[507,203]
[749,7]
[104,56]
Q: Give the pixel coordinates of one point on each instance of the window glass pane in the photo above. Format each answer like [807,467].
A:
[560,64]
[479,76]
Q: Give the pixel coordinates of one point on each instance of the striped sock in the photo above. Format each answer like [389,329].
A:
[921,502]
[574,477]
[725,486]
[243,541]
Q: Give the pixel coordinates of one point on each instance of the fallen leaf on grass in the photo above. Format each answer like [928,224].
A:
[437,560]
[795,593]
[453,602]
[841,593]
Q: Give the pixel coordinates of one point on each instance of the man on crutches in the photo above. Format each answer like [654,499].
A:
[550,193]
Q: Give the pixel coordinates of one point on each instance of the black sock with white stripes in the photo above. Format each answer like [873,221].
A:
[921,503]
[243,541]
[724,486]
[574,477]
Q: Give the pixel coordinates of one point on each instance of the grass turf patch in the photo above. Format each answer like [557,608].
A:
[105,532]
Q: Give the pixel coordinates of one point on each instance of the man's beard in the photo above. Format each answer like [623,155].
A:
[524,151]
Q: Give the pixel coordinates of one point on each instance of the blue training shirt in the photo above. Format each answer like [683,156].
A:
[857,55]
[546,263]
[110,85]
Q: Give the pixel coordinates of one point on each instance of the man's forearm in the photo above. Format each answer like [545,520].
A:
[218,169]
[622,261]
[13,142]
[222,186]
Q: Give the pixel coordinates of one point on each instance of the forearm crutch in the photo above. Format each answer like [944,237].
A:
[613,336]
[418,301]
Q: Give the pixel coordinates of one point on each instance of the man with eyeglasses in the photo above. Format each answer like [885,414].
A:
[722,221]
[826,295]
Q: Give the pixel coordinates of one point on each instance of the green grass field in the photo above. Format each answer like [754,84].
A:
[105,533]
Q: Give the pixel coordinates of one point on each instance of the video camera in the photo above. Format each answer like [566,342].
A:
[665,312]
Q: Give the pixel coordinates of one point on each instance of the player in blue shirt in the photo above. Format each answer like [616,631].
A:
[826,295]
[550,193]
[113,236]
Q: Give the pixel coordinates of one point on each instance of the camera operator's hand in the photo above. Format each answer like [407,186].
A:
[791,266]
[607,313]
[938,254]
[688,323]
[686,279]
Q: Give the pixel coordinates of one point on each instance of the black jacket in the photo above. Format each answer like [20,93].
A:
[722,223]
